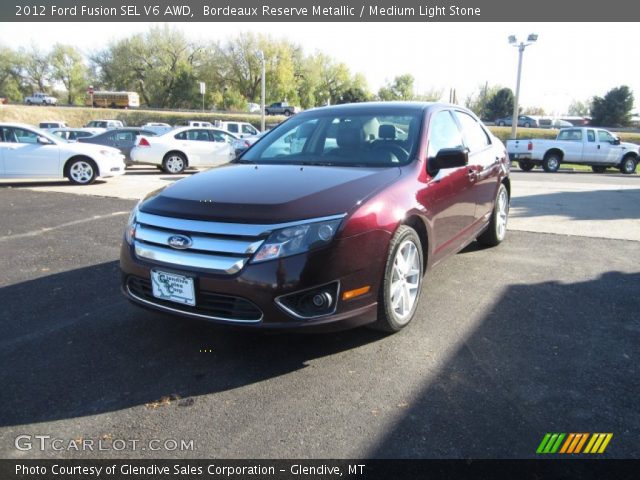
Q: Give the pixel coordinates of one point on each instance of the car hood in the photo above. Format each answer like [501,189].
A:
[268,194]
[629,146]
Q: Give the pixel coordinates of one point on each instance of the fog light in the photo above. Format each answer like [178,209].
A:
[311,303]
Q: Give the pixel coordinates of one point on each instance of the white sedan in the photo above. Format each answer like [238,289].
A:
[185,147]
[28,152]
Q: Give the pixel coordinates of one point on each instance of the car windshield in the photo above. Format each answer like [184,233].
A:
[334,137]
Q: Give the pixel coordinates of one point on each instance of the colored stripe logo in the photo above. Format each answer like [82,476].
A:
[573,443]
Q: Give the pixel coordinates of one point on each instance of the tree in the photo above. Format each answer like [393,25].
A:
[400,89]
[37,71]
[538,111]
[10,74]
[614,110]
[579,109]
[69,69]
[354,95]
[500,104]
[477,102]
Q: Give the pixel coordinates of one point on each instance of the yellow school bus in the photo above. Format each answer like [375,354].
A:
[106,99]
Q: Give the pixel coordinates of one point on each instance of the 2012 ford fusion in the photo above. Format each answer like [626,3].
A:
[331,230]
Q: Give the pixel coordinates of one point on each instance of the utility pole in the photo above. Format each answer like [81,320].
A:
[521,46]
[263,89]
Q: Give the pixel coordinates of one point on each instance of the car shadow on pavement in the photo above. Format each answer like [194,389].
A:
[583,205]
[71,346]
[545,357]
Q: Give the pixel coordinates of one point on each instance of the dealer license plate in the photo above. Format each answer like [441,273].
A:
[172,287]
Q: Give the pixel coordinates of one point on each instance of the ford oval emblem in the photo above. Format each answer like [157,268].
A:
[179,242]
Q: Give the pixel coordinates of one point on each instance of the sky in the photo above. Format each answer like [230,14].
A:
[570,61]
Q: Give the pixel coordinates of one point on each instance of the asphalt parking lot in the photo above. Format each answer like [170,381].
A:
[541,334]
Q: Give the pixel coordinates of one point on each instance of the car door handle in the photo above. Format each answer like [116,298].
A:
[598,147]
[473,175]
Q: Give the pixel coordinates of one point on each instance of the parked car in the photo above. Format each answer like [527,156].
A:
[523,121]
[239,129]
[241,144]
[184,148]
[106,124]
[28,152]
[40,98]
[73,134]
[157,127]
[337,233]
[124,139]
[596,147]
[49,124]
[198,123]
[281,108]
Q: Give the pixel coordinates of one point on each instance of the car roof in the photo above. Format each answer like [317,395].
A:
[368,107]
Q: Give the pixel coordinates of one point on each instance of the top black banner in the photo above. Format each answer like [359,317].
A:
[317,11]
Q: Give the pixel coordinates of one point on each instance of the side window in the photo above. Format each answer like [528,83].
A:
[180,136]
[197,135]
[443,133]
[571,135]
[220,137]
[232,127]
[21,135]
[591,136]
[604,136]
[248,129]
[124,137]
[475,136]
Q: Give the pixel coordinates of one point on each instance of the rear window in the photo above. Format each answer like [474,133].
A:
[571,135]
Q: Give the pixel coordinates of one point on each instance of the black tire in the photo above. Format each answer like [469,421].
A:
[497,229]
[598,168]
[527,125]
[525,165]
[28,102]
[628,165]
[501,124]
[81,171]
[551,162]
[287,113]
[389,320]
[171,163]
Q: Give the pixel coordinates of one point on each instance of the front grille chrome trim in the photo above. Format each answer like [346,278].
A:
[199,241]
[219,228]
[189,314]
[185,258]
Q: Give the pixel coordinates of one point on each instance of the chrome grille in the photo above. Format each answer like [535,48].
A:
[223,248]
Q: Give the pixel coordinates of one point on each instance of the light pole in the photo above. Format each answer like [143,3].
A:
[521,46]
[263,83]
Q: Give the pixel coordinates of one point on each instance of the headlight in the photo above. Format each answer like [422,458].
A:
[297,239]
[130,230]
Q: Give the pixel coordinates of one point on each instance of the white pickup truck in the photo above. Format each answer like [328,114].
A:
[40,99]
[586,145]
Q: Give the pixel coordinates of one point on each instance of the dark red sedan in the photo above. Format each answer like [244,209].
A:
[329,221]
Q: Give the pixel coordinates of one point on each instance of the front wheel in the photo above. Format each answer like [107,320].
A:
[402,281]
[497,229]
[525,165]
[287,113]
[501,124]
[598,168]
[174,163]
[82,171]
[551,162]
[527,125]
[628,165]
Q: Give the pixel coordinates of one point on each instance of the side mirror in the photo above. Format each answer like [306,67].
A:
[44,141]
[449,158]
[615,141]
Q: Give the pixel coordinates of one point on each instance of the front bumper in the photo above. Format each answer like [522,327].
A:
[353,262]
